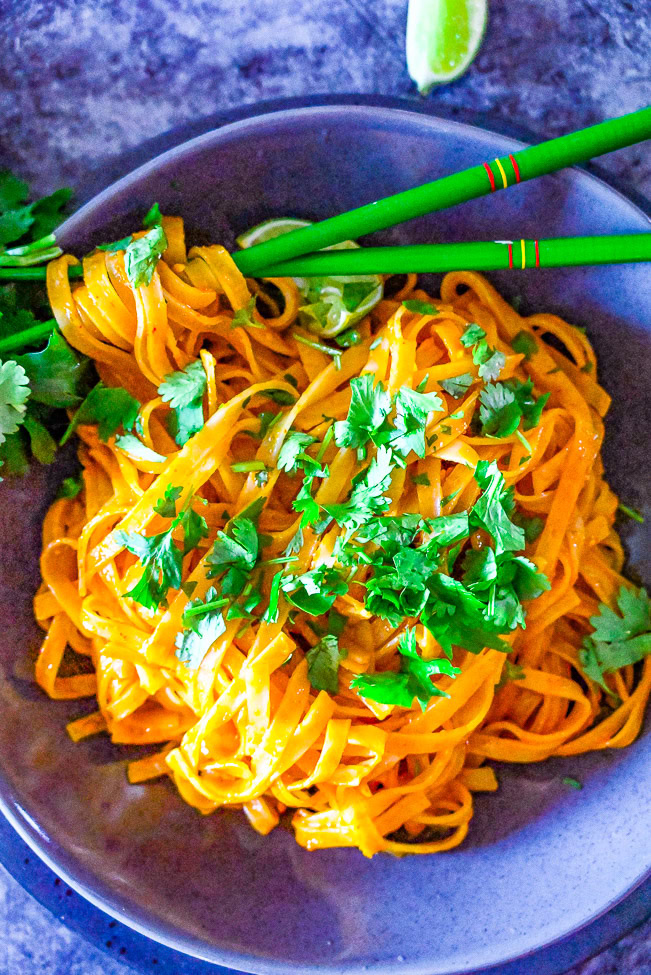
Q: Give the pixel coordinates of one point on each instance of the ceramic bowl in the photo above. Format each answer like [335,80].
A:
[541,860]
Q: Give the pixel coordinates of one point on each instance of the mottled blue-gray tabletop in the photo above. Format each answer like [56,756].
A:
[83,83]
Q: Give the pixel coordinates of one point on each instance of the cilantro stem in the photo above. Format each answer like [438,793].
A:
[243,467]
[33,273]
[28,336]
[523,440]
[329,434]
[205,607]
[335,353]
[280,560]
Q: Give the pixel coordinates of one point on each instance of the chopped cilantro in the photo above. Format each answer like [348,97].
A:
[243,317]
[292,454]
[323,663]
[109,407]
[472,335]
[618,639]
[509,673]
[420,307]
[136,448]
[573,783]
[348,339]
[184,391]
[491,511]
[457,386]
[160,554]
[490,361]
[414,680]
[280,396]
[369,407]
[421,479]
[525,343]
[153,217]
[504,405]
[412,411]
[203,623]
[142,256]
[69,487]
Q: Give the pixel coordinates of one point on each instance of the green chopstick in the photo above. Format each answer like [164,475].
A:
[476,256]
[469,184]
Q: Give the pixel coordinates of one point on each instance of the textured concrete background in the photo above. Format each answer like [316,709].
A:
[81,82]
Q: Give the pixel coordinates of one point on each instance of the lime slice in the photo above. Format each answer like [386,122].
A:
[332,304]
[443,37]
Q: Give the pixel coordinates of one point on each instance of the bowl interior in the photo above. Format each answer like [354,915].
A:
[535,866]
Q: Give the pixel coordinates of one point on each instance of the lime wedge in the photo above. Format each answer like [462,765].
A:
[268,229]
[443,37]
[332,304]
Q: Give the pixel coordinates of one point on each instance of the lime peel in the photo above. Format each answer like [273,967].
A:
[443,37]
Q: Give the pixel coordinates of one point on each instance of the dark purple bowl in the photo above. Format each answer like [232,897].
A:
[541,861]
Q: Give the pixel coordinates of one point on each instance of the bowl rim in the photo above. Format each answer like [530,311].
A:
[250,117]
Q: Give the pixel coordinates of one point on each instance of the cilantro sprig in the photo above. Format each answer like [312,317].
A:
[184,391]
[161,555]
[618,639]
[413,680]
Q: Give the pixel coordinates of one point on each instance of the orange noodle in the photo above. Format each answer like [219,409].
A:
[245,727]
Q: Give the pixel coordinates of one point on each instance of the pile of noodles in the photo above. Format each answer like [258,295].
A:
[246,729]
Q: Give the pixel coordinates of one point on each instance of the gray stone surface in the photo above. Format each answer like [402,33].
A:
[81,82]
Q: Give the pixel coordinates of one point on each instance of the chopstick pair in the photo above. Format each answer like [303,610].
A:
[293,253]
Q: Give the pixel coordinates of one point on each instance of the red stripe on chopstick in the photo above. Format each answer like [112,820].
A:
[515,168]
[510,246]
[490,176]
[537,254]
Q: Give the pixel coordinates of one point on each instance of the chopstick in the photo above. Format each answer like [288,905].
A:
[548,157]
[476,256]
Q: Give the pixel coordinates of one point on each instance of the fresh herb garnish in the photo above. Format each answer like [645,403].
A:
[142,256]
[414,679]
[525,343]
[504,405]
[420,307]
[153,217]
[183,391]
[203,623]
[472,335]
[109,407]
[619,639]
[14,393]
[243,317]
[160,555]
[323,663]
[458,386]
[421,479]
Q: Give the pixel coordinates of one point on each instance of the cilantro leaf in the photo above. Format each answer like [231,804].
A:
[323,663]
[369,407]
[525,343]
[15,223]
[235,551]
[160,555]
[117,245]
[69,487]
[42,443]
[152,217]
[292,453]
[412,411]
[509,673]
[142,256]
[204,623]
[412,681]
[267,421]
[420,307]
[490,361]
[532,526]
[137,449]
[620,638]
[491,510]
[243,317]
[457,386]
[368,497]
[281,396]
[499,412]
[109,407]
[56,374]
[183,391]
[472,335]
[422,480]
[14,393]
[314,592]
